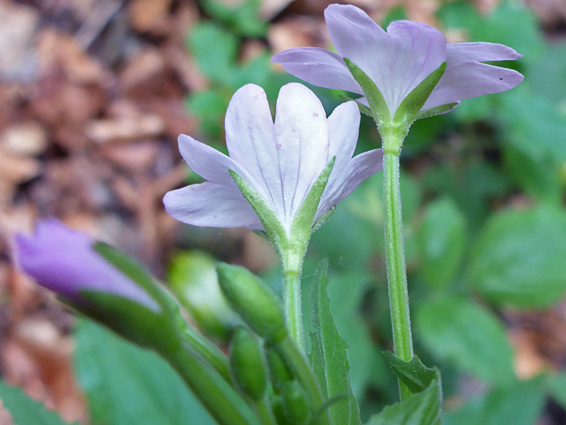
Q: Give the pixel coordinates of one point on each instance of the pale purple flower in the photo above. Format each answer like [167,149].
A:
[399,60]
[64,261]
[280,160]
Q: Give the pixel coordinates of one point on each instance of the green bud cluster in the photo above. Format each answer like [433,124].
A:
[295,403]
[291,394]
[279,373]
[247,365]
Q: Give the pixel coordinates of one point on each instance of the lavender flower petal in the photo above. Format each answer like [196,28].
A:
[343,128]
[358,169]
[352,31]
[397,61]
[319,67]
[281,160]
[207,162]
[466,78]
[301,133]
[251,143]
[211,205]
[480,52]
[63,261]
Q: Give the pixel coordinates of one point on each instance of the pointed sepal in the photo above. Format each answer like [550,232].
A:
[303,223]
[377,104]
[412,104]
[273,227]
[439,110]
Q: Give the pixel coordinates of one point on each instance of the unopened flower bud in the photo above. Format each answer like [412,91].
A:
[278,371]
[246,363]
[66,262]
[252,299]
[295,403]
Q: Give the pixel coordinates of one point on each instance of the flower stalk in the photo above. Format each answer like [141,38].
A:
[395,261]
[209,387]
[292,263]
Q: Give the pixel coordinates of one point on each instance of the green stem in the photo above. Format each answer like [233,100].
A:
[264,412]
[292,262]
[221,401]
[301,370]
[209,352]
[395,259]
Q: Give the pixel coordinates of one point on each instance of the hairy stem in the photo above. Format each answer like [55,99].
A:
[395,259]
[292,262]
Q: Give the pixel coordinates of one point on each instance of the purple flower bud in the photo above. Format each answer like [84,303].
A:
[64,261]
[399,59]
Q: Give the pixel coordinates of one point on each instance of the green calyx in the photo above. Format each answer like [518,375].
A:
[409,109]
[378,107]
[393,129]
[303,224]
[252,299]
[247,365]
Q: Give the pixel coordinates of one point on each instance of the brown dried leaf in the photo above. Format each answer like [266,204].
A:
[58,103]
[551,12]
[58,50]
[46,372]
[17,59]
[145,67]
[149,15]
[25,138]
[124,129]
[269,8]
[298,31]
[15,169]
[135,157]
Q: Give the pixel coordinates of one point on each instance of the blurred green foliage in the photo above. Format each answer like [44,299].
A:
[485,229]
[125,384]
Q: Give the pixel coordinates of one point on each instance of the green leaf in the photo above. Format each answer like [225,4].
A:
[415,375]
[242,17]
[127,385]
[458,330]
[442,242]
[519,257]
[412,104]
[25,410]
[511,24]
[377,105]
[556,387]
[519,404]
[550,70]
[215,51]
[540,178]
[329,354]
[424,408]
[533,124]
[208,106]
